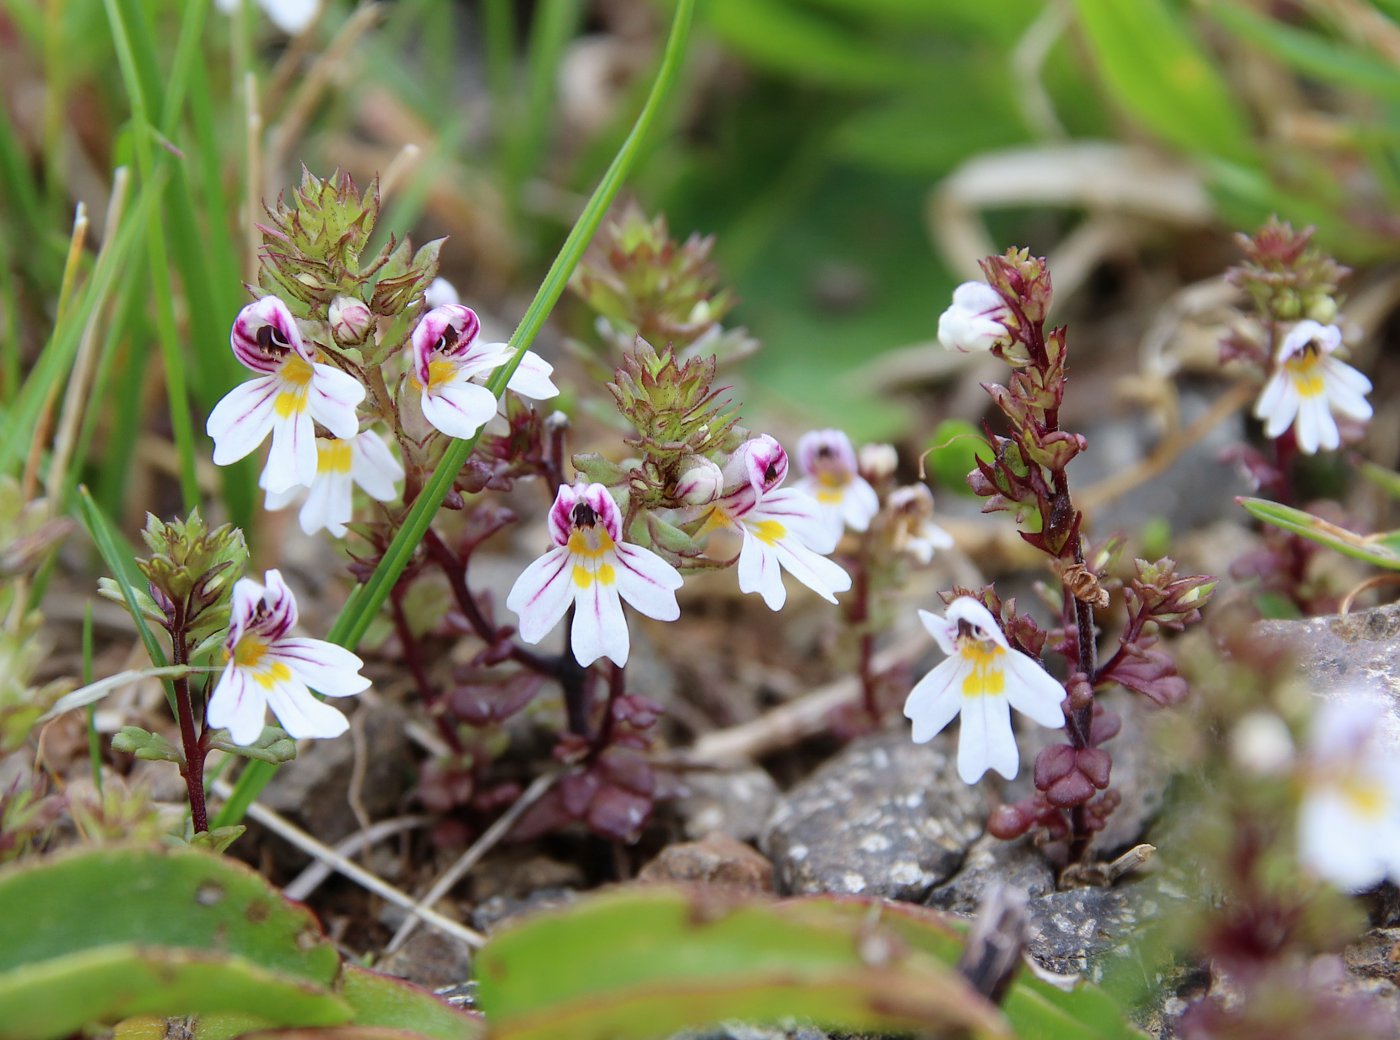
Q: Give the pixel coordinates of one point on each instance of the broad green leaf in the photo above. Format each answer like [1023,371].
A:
[57,996]
[68,904]
[1382,550]
[387,1002]
[1157,71]
[650,962]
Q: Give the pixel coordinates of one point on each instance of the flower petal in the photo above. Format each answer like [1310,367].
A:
[943,630]
[291,16]
[985,740]
[325,667]
[600,630]
[759,571]
[301,714]
[242,419]
[542,593]
[1278,404]
[333,398]
[532,378]
[860,504]
[281,607]
[292,460]
[237,705]
[1315,427]
[1337,844]
[374,468]
[647,582]
[458,408]
[936,699]
[1032,690]
[329,505]
[824,577]
[984,625]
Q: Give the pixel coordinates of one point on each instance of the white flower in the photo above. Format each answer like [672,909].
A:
[976,321]
[350,320]
[591,568]
[878,461]
[1349,821]
[911,523]
[291,16]
[294,391]
[1308,385]
[781,527]
[440,292]
[446,357]
[269,668]
[844,497]
[984,679]
[364,460]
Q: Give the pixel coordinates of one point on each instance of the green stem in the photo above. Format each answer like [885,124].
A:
[359,612]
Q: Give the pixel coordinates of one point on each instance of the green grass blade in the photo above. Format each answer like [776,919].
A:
[554,23]
[354,620]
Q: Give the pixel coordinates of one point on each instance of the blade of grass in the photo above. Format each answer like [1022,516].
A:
[554,24]
[121,561]
[354,620]
[131,58]
[498,24]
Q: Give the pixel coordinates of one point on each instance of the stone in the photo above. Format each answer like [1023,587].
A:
[884,817]
[430,958]
[1077,931]
[1342,654]
[717,860]
[990,861]
[500,910]
[734,802]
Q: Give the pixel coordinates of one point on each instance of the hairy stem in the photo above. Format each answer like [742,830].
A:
[192,769]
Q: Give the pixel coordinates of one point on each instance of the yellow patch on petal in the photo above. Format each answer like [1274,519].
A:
[988,677]
[440,372]
[583,577]
[249,652]
[1365,796]
[1305,370]
[333,456]
[295,376]
[606,574]
[770,532]
[831,496]
[590,543]
[274,675]
[715,519]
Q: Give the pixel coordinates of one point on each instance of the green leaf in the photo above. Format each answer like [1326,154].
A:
[954,449]
[381,1000]
[151,747]
[58,996]
[1382,550]
[272,745]
[1156,70]
[648,963]
[100,934]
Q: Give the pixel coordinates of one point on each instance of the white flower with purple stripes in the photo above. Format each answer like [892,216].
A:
[782,528]
[267,667]
[831,475]
[342,463]
[592,569]
[447,357]
[1308,385]
[293,393]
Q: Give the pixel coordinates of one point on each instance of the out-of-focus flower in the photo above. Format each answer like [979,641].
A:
[269,668]
[782,528]
[1349,821]
[878,461]
[364,460]
[844,498]
[447,357]
[976,321]
[1261,744]
[350,320]
[591,568]
[440,293]
[291,16]
[293,391]
[912,529]
[1308,385]
[700,481]
[983,678]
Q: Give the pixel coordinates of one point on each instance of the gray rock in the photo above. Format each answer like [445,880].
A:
[499,910]
[885,817]
[1078,931]
[1018,865]
[733,802]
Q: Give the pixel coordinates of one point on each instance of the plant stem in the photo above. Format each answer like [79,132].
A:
[617,684]
[193,767]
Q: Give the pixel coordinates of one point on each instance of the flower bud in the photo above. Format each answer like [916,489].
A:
[878,462]
[976,321]
[1321,308]
[700,481]
[350,320]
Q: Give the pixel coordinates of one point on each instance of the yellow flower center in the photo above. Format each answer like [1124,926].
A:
[770,532]
[439,372]
[296,376]
[988,677]
[1364,795]
[1305,369]
[248,656]
[333,456]
[589,545]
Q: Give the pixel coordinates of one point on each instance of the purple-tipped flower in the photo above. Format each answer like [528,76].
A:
[447,357]
[592,569]
[1308,385]
[782,528]
[267,667]
[293,393]
[831,476]
[364,460]
[976,321]
[983,678]
[350,320]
